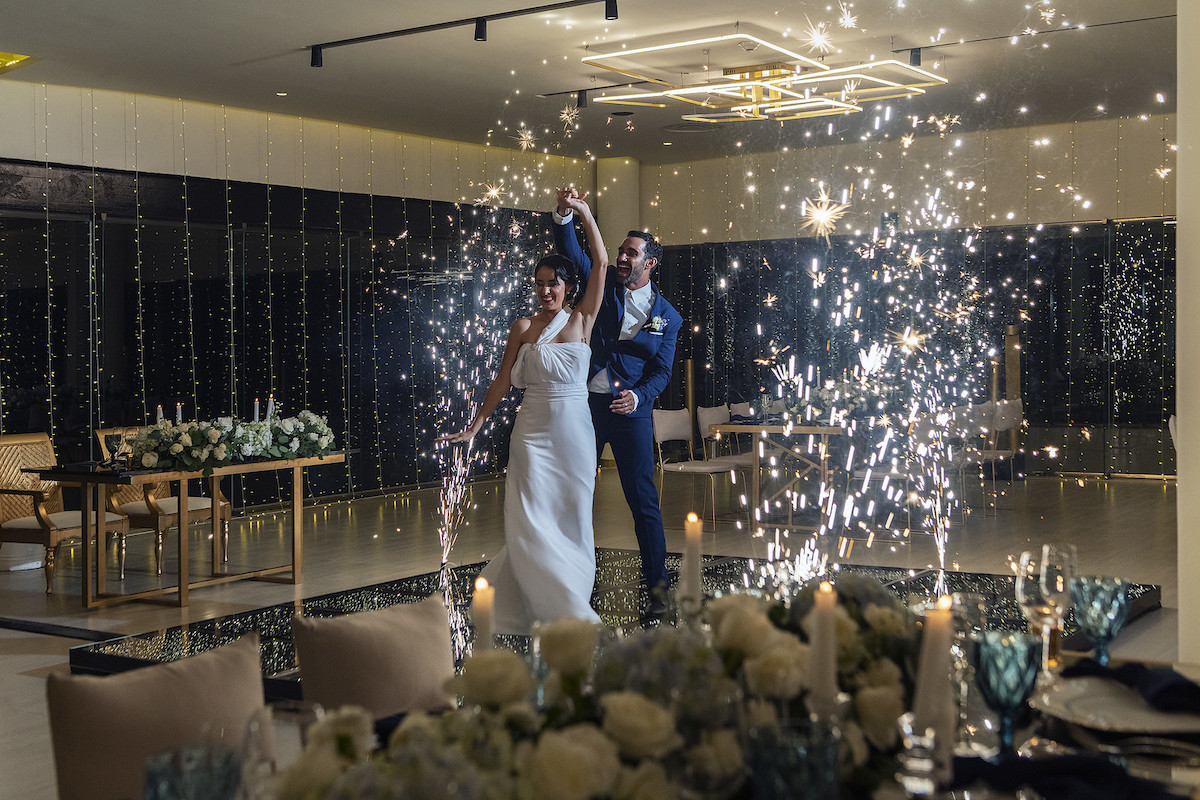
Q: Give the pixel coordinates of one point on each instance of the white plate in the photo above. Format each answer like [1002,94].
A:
[1108,706]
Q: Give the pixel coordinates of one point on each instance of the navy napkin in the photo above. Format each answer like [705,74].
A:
[1072,777]
[1161,687]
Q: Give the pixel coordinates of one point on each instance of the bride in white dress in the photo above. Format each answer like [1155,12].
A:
[548,563]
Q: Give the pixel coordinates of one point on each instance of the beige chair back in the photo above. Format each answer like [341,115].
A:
[24,451]
[118,494]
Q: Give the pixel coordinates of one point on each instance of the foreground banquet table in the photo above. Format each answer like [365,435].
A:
[774,442]
[94,481]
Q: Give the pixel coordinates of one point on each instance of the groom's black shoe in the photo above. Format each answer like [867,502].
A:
[657,608]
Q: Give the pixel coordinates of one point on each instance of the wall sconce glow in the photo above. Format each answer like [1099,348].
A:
[11,61]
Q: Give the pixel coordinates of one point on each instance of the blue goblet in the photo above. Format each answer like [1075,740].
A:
[1006,669]
[1101,607]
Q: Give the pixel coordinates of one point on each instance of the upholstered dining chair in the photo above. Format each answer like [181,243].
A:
[675,426]
[152,506]
[389,661]
[715,415]
[104,727]
[31,510]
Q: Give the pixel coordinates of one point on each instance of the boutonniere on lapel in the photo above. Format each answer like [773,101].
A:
[656,325]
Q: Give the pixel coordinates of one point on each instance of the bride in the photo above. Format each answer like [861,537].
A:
[548,563]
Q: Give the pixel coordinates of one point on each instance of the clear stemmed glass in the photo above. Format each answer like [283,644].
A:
[1043,591]
[1006,669]
[1101,606]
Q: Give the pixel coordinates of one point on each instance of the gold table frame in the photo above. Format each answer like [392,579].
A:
[94,482]
[767,438]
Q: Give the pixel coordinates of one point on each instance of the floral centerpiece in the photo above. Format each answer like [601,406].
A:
[204,445]
[653,715]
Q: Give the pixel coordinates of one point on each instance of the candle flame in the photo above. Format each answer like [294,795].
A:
[944,602]
[691,517]
[826,586]
[480,583]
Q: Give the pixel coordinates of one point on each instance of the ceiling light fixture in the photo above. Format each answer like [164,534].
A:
[791,86]
[480,23]
[914,57]
[318,59]
[581,98]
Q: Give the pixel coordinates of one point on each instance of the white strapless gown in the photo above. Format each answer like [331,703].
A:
[548,563]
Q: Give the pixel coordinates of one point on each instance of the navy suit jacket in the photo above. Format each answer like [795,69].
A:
[641,364]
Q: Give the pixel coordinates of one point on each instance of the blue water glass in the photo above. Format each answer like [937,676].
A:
[1101,607]
[794,759]
[194,773]
[1006,669]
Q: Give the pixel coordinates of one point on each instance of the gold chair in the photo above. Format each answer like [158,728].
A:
[31,510]
[152,506]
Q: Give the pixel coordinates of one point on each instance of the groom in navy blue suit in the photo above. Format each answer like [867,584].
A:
[633,349]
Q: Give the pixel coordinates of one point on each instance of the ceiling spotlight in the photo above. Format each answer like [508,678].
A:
[914,57]
[317,59]
[481,29]
[581,99]
[610,9]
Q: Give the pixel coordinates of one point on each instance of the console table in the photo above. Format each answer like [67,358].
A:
[94,481]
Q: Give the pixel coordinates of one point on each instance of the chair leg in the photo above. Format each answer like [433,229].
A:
[49,569]
[121,554]
[158,551]
[225,538]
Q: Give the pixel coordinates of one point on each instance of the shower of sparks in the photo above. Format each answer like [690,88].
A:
[770,300]
[526,140]
[491,195]
[850,90]
[908,340]
[846,16]
[907,139]
[1047,14]
[1162,172]
[944,123]
[569,116]
[816,36]
[822,216]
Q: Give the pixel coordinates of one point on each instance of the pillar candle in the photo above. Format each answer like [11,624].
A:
[689,570]
[933,700]
[483,613]
[270,406]
[178,413]
[822,665]
[256,409]
[158,417]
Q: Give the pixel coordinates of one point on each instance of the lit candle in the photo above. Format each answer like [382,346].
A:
[689,570]
[256,409]
[933,700]
[822,685]
[483,613]
[178,413]
[270,406]
[158,417]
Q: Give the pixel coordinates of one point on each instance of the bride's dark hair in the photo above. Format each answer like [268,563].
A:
[566,271]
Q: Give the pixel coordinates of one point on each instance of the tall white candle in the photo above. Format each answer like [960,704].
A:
[158,415]
[256,409]
[270,407]
[689,570]
[822,665]
[483,613]
[178,413]
[933,700]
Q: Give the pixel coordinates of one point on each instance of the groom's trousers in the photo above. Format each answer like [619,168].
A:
[632,442]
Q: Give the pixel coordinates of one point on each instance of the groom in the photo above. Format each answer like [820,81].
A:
[633,348]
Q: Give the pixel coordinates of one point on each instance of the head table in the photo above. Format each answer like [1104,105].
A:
[94,481]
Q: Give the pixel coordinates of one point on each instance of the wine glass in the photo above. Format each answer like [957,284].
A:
[1043,591]
[1006,669]
[1101,606]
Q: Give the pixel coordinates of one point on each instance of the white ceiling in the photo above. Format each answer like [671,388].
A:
[444,84]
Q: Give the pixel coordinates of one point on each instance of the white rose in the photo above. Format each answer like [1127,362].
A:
[745,630]
[287,425]
[213,435]
[719,607]
[881,672]
[149,460]
[185,439]
[324,441]
[568,644]
[493,678]
[887,621]
[295,445]
[197,454]
[718,754]
[877,708]
[646,781]
[779,671]
[641,727]
[349,732]
[175,449]
[221,452]
[247,450]
[574,763]
[312,437]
